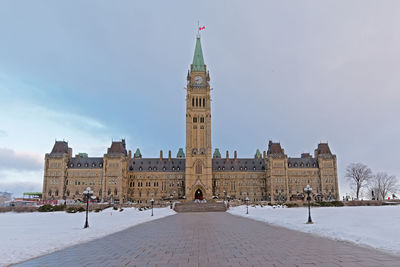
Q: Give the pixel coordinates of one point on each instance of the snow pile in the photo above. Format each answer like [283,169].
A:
[28,235]
[378,227]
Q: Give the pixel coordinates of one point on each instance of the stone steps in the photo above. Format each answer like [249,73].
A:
[200,207]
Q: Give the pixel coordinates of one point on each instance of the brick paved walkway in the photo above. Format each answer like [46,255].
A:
[213,239]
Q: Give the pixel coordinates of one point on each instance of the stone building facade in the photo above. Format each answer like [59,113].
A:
[195,173]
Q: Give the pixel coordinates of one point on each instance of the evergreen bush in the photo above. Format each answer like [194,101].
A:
[46,208]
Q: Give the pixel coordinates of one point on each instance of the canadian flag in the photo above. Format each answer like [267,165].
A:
[202,28]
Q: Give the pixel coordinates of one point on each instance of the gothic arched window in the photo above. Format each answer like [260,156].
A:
[192,101]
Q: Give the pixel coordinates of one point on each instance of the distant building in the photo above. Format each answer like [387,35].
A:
[5,197]
[195,173]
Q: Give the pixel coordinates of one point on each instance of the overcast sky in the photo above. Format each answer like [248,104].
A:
[296,72]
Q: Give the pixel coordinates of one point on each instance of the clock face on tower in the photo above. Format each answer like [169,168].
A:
[198,80]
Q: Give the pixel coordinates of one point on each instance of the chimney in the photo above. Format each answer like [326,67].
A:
[161,155]
[169,155]
[265,154]
[235,154]
[130,154]
[227,155]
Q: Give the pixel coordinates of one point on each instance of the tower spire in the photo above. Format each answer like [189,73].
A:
[198,60]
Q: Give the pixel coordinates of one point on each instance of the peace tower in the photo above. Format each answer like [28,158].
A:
[198,174]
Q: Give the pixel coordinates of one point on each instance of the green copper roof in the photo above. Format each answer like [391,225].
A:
[137,153]
[258,154]
[217,154]
[198,61]
[180,154]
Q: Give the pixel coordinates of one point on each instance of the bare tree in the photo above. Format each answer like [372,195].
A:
[358,176]
[383,183]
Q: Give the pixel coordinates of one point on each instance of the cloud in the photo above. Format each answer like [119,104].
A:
[20,187]
[13,160]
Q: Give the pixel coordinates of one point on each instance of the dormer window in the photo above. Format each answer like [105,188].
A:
[71,165]
[140,168]
[86,164]
[101,165]
[79,164]
[93,164]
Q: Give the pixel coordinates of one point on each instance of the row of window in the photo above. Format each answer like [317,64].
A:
[171,176]
[86,165]
[198,102]
[302,165]
[82,182]
[155,184]
[201,120]
[155,168]
[239,176]
[84,174]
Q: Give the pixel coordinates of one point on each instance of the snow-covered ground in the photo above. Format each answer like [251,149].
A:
[27,235]
[378,227]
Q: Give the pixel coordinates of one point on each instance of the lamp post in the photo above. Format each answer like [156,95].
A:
[87,193]
[170,201]
[308,191]
[152,204]
[247,205]
[224,195]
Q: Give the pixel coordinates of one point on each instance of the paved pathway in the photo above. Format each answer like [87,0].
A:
[213,239]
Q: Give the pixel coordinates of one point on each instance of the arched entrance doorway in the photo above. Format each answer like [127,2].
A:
[198,194]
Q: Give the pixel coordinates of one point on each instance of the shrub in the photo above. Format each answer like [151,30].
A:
[71,210]
[338,203]
[46,208]
[59,208]
[115,208]
[315,204]
[80,209]
[325,204]
[121,209]
[97,210]
[292,205]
